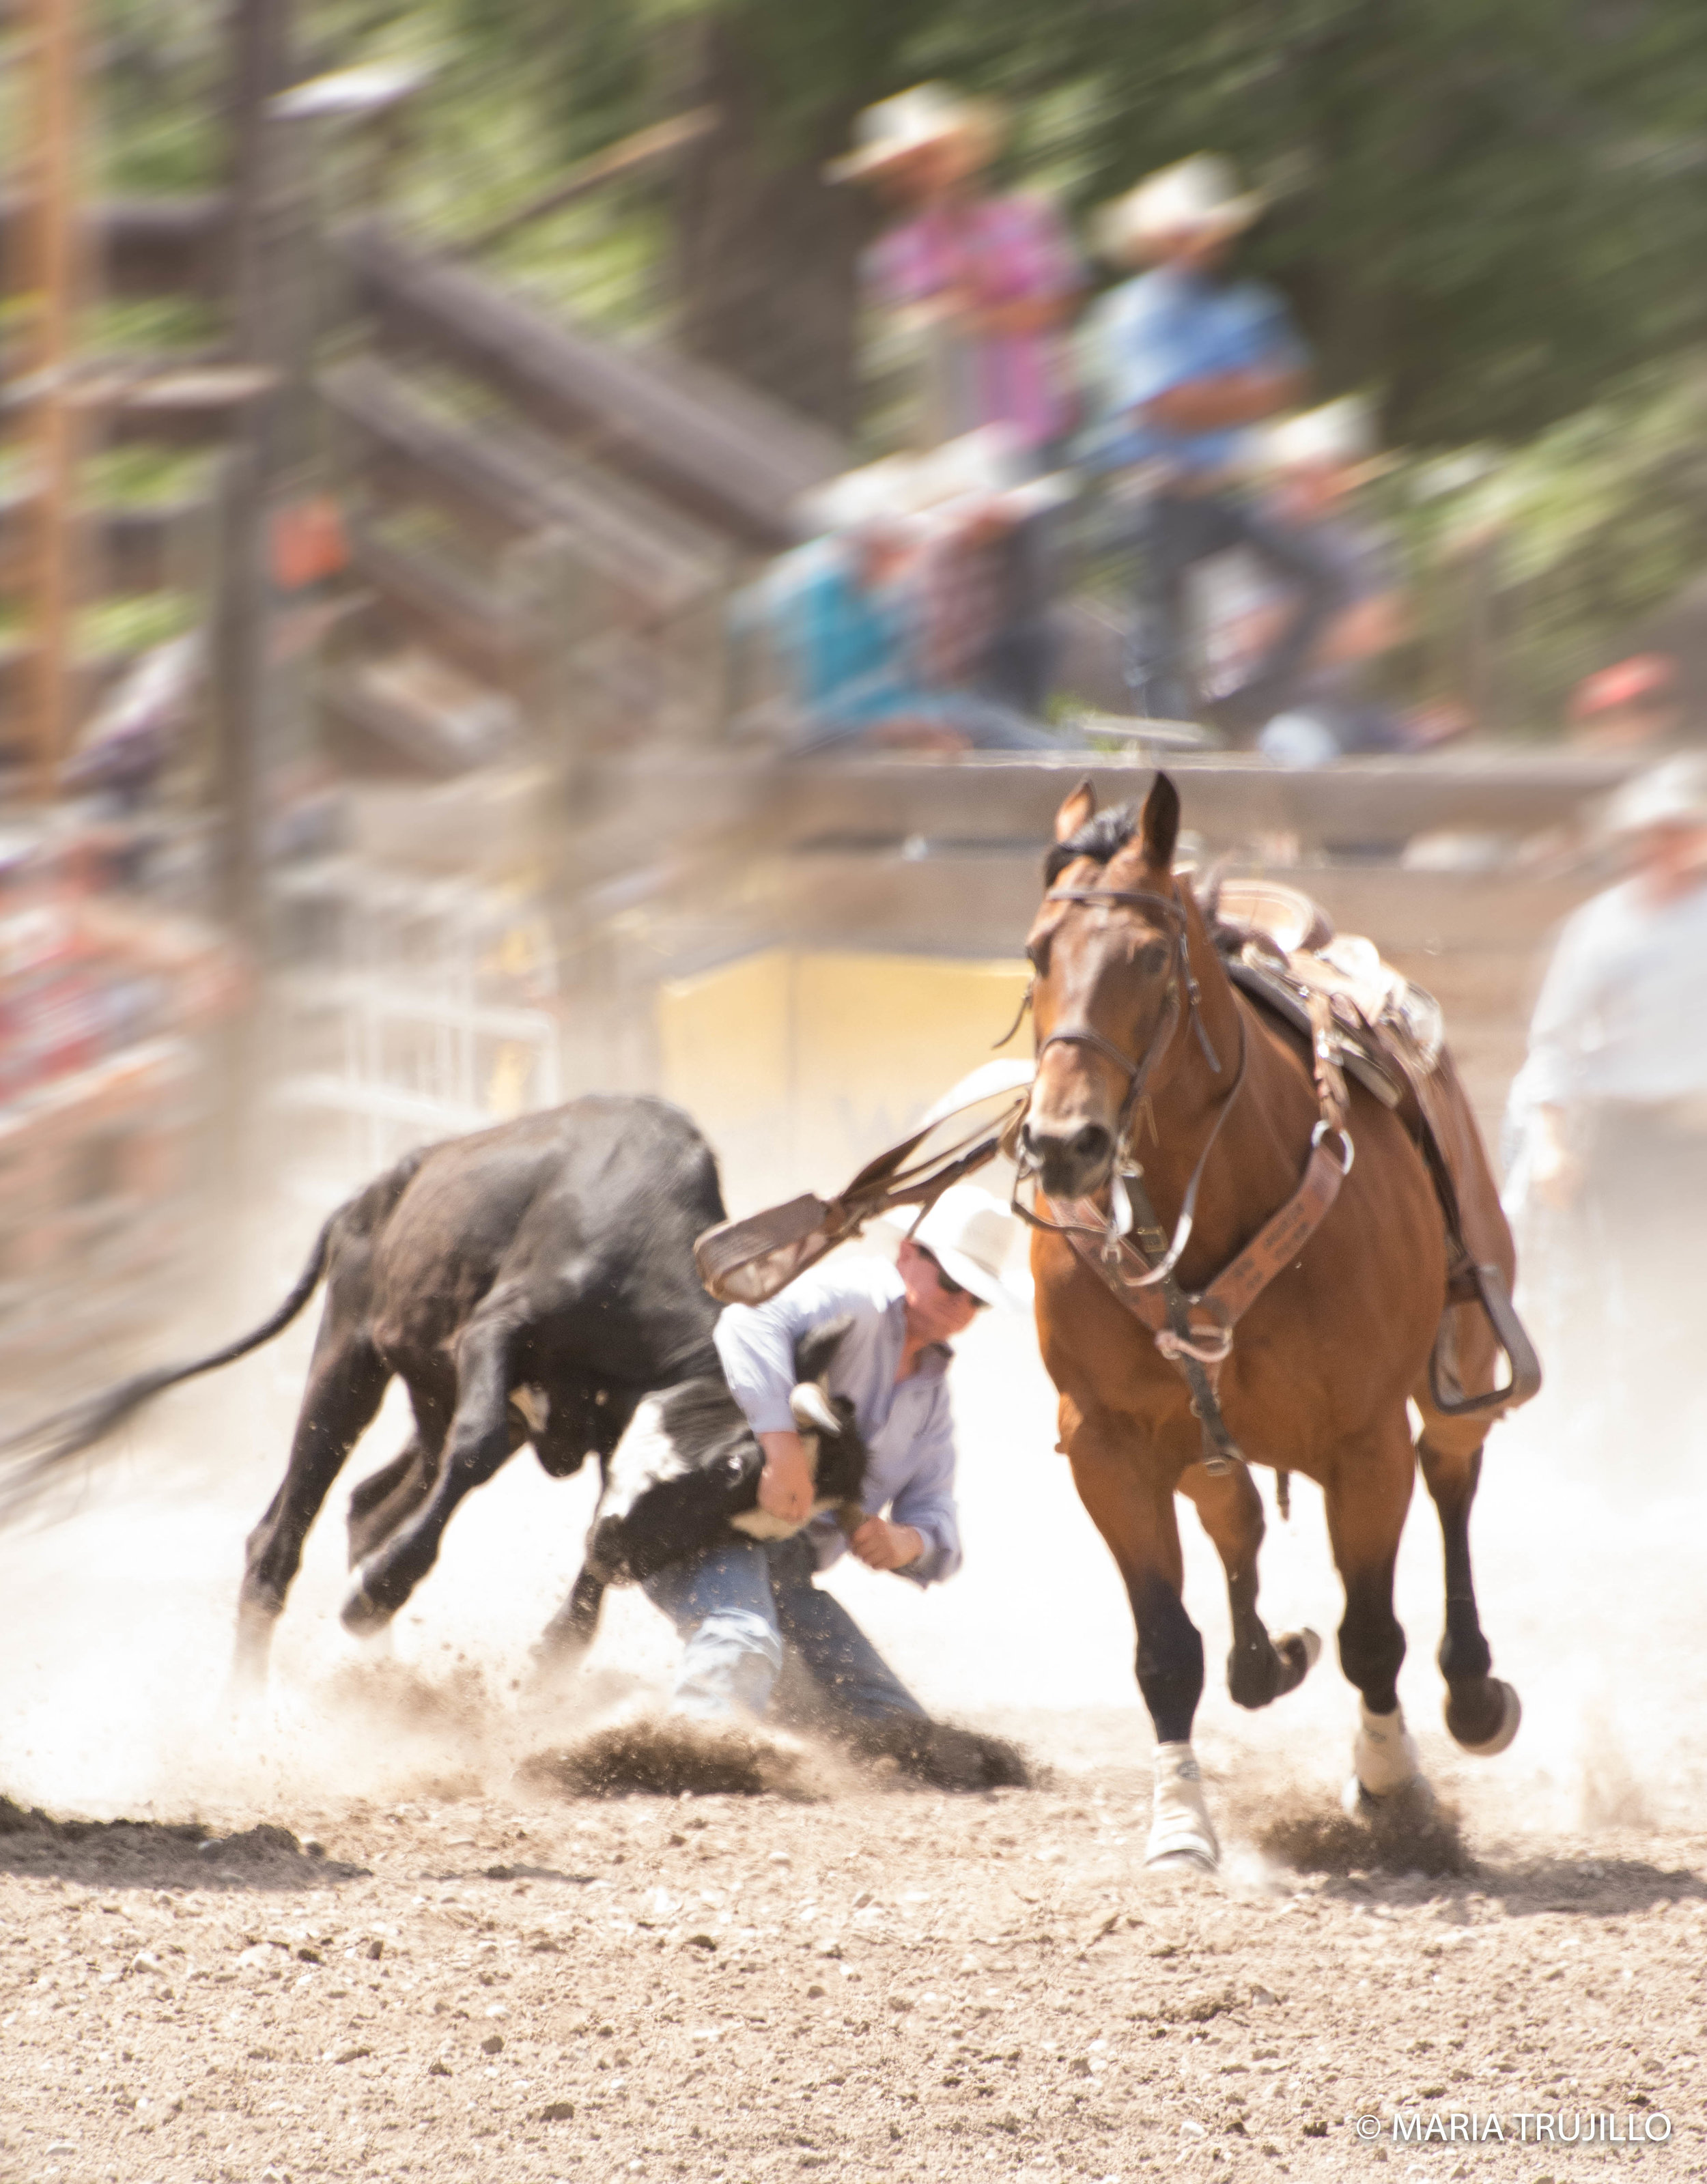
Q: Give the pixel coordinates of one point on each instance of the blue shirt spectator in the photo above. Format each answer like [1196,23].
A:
[1171,327]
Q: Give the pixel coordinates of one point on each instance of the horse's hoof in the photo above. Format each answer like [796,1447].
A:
[1411,1802]
[1182,1836]
[1511,1721]
[1299,1652]
[1192,1859]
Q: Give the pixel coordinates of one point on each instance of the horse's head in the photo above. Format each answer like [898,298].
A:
[1108,953]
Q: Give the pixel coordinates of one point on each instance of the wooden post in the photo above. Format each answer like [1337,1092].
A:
[51,284]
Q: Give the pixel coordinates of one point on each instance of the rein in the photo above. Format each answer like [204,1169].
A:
[1133,1255]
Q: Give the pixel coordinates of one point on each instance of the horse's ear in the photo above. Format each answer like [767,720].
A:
[1161,823]
[1078,811]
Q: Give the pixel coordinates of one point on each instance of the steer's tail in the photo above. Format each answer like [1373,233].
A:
[27,1459]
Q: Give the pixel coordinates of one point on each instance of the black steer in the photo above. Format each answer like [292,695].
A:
[686,1473]
[529,1283]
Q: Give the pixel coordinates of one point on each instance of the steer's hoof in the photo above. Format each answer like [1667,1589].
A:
[1182,1837]
[362,1615]
[1474,1736]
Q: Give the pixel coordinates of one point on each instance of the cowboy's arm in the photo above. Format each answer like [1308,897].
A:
[925,1505]
[1225,398]
[757,1345]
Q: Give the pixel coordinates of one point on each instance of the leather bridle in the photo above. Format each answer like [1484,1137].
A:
[1166,910]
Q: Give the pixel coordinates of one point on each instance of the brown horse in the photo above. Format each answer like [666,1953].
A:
[1144,1048]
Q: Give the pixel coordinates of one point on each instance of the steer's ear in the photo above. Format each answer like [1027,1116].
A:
[1161,824]
[1078,811]
[815,1352]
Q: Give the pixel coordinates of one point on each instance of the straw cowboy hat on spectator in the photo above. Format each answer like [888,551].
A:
[913,121]
[1198,196]
[971,1235]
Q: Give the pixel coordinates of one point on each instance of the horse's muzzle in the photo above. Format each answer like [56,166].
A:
[1072,1163]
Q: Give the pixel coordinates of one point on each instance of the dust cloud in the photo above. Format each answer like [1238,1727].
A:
[115,1647]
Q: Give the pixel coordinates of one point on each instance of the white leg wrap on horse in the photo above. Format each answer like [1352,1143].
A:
[1383,1756]
[1180,1832]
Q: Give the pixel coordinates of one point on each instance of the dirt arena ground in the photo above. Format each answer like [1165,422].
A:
[349,1933]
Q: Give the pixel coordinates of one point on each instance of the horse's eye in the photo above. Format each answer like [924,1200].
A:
[1151,958]
[1037,953]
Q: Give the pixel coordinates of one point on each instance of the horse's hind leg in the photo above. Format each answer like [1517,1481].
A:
[1368,1495]
[1259,1669]
[1482,1713]
[346,1382]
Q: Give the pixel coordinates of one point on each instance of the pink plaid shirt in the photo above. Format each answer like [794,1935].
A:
[1000,250]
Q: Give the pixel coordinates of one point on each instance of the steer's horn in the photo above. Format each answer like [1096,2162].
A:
[811,1409]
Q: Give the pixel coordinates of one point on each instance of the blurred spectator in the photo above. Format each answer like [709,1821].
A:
[1630,707]
[133,736]
[1609,1114]
[1331,709]
[994,279]
[989,283]
[1192,359]
[856,613]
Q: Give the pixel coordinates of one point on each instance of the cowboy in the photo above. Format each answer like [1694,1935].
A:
[986,283]
[742,1607]
[1192,360]
[1608,1112]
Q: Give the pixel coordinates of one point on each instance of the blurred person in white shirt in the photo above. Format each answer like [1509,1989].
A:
[1609,1114]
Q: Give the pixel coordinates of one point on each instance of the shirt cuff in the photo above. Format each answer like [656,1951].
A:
[767,1413]
[925,1569]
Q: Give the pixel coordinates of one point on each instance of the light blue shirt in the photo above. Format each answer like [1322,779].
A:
[1167,328]
[908,1428]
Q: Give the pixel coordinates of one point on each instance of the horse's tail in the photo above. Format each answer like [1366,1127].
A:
[27,1458]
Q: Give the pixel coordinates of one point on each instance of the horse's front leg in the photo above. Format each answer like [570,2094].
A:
[1127,1485]
[1259,1669]
[1367,1495]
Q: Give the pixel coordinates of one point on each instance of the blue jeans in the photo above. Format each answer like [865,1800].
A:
[1174,531]
[738,1605]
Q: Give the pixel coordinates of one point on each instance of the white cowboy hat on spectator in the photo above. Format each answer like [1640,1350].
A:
[1337,433]
[1673,794]
[913,121]
[881,494]
[1198,196]
[971,1236]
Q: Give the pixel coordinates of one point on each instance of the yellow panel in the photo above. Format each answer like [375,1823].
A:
[726,1046]
[800,1066]
[878,1038]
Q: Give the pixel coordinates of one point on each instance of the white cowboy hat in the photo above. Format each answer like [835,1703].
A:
[912,121]
[971,1236]
[1336,434]
[1673,794]
[1196,195]
[880,493]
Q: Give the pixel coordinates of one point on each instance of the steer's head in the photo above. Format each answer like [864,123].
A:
[689,1460]
[1105,989]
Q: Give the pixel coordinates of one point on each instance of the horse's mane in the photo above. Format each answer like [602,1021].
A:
[1102,837]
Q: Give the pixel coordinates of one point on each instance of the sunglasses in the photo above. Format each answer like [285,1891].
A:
[946,1283]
